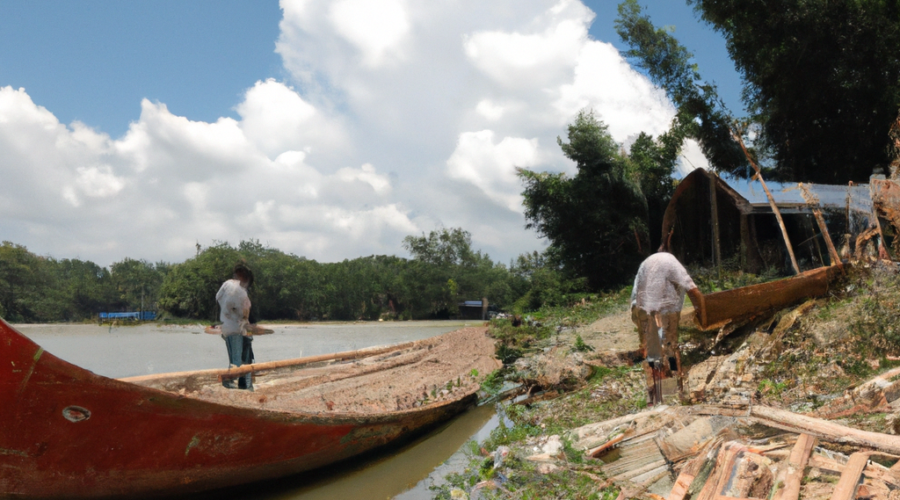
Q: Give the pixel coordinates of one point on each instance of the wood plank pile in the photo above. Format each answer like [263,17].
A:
[729,451]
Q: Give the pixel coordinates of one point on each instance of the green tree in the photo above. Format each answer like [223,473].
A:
[437,258]
[23,278]
[541,281]
[446,270]
[652,163]
[822,77]
[596,220]
[137,283]
[86,288]
[701,115]
[189,289]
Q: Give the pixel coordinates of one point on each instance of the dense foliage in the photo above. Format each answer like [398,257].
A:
[35,288]
[700,113]
[605,219]
[444,270]
[822,77]
[821,82]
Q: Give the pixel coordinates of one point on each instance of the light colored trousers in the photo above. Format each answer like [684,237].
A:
[662,359]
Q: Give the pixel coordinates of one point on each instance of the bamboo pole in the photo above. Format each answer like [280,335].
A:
[594,452]
[774,207]
[272,365]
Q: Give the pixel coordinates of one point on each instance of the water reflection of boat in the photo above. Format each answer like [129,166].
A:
[71,433]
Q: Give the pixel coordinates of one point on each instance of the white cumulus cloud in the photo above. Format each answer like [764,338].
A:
[376,28]
[492,167]
[392,117]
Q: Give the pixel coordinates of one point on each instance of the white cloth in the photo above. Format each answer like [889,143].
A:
[234,305]
[660,284]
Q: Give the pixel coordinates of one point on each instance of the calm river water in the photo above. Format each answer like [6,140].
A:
[404,472]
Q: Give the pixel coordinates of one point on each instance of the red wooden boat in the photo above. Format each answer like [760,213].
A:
[67,432]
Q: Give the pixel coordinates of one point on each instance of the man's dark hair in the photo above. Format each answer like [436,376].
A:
[243,273]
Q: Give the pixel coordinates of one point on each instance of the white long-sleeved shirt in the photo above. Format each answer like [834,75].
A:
[235,307]
[660,284]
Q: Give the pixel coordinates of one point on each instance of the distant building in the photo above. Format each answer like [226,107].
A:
[474,309]
[743,229]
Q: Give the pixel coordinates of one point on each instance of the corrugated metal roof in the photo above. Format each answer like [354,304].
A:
[789,197]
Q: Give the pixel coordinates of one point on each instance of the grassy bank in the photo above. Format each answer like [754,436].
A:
[836,343]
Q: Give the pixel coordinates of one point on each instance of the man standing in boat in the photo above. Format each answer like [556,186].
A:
[234,307]
[656,300]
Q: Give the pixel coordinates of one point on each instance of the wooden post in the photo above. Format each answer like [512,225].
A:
[787,241]
[745,244]
[714,213]
[882,248]
[813,202]
[835,258]
[792,475]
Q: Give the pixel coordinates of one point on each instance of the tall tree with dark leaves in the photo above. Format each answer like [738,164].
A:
[822,77]
[701,115]
[652,163]
[596,220]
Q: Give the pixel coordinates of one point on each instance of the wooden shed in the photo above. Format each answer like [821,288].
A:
[708,221]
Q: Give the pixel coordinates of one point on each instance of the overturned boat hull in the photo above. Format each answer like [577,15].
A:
[748,301]
[71,433]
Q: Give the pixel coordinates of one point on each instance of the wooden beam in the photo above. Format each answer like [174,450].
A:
[846,486]
[823,429]
[792,475]
[787,241]
[832,252]
[723,470]
[271,365]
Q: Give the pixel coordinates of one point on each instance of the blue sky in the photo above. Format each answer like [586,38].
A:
[345,124]
[95,60]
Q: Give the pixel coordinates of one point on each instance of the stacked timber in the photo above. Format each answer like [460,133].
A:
[718,452]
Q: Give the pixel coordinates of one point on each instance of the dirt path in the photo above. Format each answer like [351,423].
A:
[615,332]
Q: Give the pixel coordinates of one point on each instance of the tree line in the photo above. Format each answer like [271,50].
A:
[443,270]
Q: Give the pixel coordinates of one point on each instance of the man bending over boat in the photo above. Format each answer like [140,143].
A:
[234,304]
[656,300]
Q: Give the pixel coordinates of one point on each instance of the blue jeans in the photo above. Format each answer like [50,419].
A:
[240,352]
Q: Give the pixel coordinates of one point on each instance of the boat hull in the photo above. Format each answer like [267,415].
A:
[745,302]
[68,432]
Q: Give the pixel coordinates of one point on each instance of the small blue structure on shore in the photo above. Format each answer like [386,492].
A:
[136,316]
